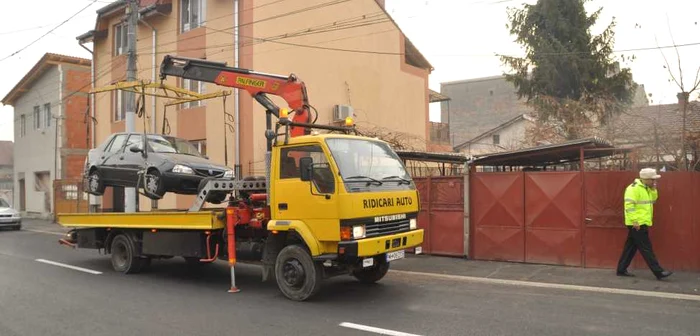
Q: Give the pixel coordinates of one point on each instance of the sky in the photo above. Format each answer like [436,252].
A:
[460,38]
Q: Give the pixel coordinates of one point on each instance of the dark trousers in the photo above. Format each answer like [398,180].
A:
[638,240]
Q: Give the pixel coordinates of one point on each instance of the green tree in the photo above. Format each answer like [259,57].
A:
[567,75]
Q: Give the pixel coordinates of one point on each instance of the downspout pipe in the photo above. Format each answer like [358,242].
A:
[93,201]
[236,101]
[92,97]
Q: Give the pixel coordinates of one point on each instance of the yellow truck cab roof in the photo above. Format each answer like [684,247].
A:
[322,137]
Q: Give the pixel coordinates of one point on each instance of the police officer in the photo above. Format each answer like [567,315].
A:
[640,197]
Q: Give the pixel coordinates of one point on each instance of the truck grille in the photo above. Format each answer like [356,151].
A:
[214,172]
[380,229]
[5,216]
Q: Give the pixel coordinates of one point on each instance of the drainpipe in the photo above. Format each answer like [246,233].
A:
[153,73]
[236,102]
[92,199]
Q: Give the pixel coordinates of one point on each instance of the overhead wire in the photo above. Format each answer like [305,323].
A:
[49,32]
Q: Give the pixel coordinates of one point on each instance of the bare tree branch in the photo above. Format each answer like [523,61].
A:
[668,66]
[696,83]
[678,55]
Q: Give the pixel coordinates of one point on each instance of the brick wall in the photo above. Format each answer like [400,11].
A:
[76,137]
[73,166]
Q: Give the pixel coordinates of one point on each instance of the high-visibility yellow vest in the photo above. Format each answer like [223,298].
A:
[639,203]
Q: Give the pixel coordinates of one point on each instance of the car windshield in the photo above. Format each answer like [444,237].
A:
[3,204]
[161,144]
[368,161]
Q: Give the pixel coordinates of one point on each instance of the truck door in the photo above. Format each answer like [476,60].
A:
[294,199]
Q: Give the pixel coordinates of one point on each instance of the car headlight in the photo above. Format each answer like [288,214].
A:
[358,231]
[413,223]
[182,169]
[229,174]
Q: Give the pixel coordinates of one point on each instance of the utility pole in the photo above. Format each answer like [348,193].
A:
[132,12]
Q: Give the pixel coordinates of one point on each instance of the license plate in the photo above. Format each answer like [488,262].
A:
[396,255]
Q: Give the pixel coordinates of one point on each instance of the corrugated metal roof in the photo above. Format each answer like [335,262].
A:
[548,155]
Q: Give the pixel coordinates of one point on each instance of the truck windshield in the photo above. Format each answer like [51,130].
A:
[366,164]
[3,204]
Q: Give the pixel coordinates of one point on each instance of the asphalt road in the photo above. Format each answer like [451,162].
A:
[170,299]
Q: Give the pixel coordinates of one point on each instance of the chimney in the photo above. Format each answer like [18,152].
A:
[381,3]
[682,99]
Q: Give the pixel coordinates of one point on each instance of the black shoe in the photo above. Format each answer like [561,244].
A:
[664,274]
[625,273]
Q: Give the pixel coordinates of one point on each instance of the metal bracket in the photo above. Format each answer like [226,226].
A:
[227,186]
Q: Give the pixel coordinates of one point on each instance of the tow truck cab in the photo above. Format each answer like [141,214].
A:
[353,195]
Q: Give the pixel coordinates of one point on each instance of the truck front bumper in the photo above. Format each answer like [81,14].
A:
[368,247]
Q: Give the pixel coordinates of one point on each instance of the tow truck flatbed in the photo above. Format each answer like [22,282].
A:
[160,220]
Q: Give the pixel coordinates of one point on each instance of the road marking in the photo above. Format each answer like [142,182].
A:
[375,330]
[663,295]
[47,232]
[68,266]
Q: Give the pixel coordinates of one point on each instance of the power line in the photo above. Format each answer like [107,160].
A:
[49,32]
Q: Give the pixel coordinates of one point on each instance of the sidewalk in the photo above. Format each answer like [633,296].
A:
[644,280]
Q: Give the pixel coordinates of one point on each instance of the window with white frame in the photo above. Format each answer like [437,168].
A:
[119,106]
[194,86]
[201,146]
[192,14]
[37,118]
[47,115]
[120,39]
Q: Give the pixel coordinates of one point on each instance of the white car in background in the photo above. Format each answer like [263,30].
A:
[9,216]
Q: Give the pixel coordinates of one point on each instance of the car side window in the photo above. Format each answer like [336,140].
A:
[117,143]
[289,166]
[134,140]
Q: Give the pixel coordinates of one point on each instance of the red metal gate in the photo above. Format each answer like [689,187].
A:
[553,209]
[442,214]
[537,217]
[497,212]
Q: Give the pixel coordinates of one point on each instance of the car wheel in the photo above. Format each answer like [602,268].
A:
[154,186]
[95,184]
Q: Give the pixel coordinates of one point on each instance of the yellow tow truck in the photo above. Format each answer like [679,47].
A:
[330,204]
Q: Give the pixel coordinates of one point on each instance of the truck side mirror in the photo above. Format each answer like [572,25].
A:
[135,149]
[305,164]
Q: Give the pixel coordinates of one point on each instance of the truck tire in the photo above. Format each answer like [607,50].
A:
[298,276]
[125,258]
[372,274]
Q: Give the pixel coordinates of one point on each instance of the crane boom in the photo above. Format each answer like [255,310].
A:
[258,85]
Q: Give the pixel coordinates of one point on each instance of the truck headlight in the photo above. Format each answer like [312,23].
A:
[413,223]
[358,231]
[182,169]
[228,174]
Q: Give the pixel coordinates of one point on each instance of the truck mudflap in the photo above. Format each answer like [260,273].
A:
[369,247]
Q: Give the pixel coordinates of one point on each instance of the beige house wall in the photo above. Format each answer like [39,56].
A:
[511,137]
[383,90]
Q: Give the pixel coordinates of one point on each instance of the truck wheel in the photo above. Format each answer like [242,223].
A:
[124,256]
[372,274]
[298,277]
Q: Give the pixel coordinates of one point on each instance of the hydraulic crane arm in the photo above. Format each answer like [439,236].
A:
[258,84]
